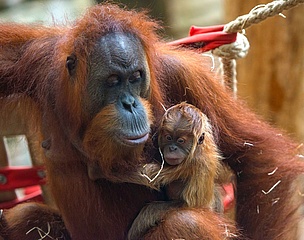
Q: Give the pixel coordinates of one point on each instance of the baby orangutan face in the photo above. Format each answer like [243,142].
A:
[180,131]
[175,146]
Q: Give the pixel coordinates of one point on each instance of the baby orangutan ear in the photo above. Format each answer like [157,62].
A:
[201,139]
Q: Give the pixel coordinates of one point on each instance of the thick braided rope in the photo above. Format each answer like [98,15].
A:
[256,15]
[260,13]
[228,54]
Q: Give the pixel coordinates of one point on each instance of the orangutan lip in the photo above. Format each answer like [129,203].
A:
[136,140]
[171,159]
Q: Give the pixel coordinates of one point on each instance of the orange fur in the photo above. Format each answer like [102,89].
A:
[180,225]
[32,63]
[250,146]
[103,149]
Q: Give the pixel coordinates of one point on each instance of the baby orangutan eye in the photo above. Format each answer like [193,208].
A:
[181,140]
[168,137]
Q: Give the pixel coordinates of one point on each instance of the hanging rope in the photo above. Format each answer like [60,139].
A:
[228,54]
[256,15]
[260,13]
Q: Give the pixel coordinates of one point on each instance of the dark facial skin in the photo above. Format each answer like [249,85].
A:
[119,76]
[175,146]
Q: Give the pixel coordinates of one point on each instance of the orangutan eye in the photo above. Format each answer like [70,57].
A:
[168,137]
[135,77]
[181,140]
[112,81]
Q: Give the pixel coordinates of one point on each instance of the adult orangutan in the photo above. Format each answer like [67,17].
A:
[102,80]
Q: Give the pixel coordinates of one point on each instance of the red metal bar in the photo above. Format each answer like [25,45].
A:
[20,177]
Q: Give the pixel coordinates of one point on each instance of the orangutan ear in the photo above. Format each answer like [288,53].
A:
[71,63]
[201,139]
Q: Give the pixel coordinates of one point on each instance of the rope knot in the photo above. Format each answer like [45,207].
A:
[235,50]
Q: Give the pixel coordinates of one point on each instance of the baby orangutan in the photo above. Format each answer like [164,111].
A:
[190,156]
[191,161]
